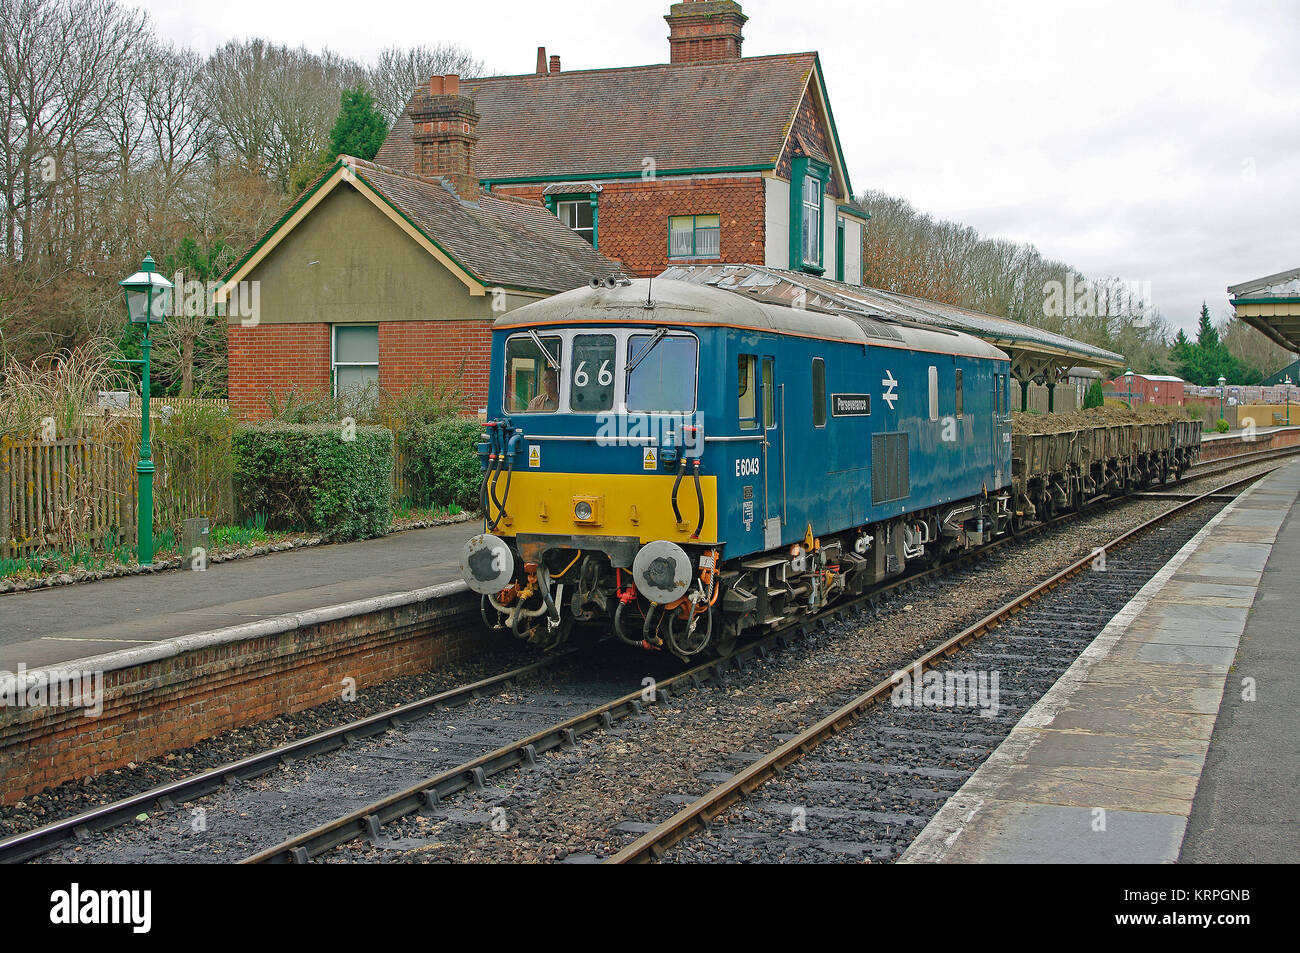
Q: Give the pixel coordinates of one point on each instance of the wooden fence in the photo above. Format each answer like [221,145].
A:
[80,490]
[57,494]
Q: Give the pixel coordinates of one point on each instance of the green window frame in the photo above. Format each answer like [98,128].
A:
[568,208]
[705,236]
[806,177]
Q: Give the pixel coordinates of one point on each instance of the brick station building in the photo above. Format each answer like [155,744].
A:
[711,158]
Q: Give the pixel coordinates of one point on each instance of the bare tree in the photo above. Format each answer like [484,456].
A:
[398,72]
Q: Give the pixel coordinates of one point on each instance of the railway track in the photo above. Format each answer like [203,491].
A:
[430,796]
[473,772]
[78,828]
[887,759]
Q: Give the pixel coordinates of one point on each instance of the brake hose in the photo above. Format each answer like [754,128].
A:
[681,472]
[699,496]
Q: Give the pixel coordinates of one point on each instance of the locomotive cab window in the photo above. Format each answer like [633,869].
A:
[819,392]
[532,377]
[769,393]
[746,371]
[591,374]
[661,372]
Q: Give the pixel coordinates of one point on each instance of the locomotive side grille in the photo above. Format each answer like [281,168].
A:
[890,469]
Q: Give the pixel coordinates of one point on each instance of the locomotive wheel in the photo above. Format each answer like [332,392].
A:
[725,645]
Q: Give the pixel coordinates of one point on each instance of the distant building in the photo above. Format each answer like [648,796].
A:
[1291,372]
[381,277]
[1271,305]
[710,158]
[1148,389]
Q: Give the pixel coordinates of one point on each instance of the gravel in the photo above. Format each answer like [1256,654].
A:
[586,802]
[579,802]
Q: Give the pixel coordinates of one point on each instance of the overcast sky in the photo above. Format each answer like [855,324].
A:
[1153,140]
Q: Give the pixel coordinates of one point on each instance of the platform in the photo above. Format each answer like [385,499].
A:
[1137,737]
[63,624]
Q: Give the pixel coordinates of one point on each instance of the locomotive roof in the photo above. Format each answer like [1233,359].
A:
[684,303]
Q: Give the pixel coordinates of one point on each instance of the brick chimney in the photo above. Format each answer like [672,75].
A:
[555,64]
[444,134]
[705,31]
[541,61]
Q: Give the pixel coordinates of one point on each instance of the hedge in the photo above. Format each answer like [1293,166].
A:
[316,477]
[442,464]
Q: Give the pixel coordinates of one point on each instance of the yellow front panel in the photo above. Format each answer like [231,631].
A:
[631,505]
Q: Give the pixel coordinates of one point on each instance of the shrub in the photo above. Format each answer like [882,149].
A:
[442,465]
[307,476]
[1222,426]
[1095,396]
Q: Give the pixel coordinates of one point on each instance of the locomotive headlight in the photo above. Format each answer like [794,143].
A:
[587,510]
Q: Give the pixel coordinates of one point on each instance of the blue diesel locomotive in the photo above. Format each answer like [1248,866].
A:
[683,463]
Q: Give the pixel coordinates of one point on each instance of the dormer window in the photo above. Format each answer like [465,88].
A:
[808,183]
[811,245]
[579,216]
[576,209]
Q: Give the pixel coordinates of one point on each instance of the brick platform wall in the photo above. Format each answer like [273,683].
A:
[632,218]
[1233,445]
[157,707]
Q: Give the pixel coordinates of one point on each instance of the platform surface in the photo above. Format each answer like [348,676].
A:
[1137,737]
[61,624]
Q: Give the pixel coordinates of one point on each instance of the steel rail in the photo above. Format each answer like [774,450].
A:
[41,840]
[426,794]
[701,812]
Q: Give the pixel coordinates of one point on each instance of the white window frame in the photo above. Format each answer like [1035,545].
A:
[621,338]
[812,211]
[335,364]
[588,232]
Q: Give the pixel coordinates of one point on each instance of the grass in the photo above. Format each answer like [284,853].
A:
[406,511]
[50,562]
[252,532]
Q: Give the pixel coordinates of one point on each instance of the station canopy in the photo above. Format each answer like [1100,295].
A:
[1036,354]
[1271,305]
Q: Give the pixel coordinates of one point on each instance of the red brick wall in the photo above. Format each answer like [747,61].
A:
[272,357]
[411,351]
[156,707]
[632,218]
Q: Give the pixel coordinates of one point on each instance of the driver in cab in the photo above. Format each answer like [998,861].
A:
[548,399]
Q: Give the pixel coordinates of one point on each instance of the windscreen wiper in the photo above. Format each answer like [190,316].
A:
[655,338]
[538,341]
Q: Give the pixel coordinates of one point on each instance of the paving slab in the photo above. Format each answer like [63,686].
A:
[63,624]
[1136,754]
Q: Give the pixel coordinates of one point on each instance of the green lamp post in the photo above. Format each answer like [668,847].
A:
[1223,397]
[1128,382]
[147,299]
[1287,384]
